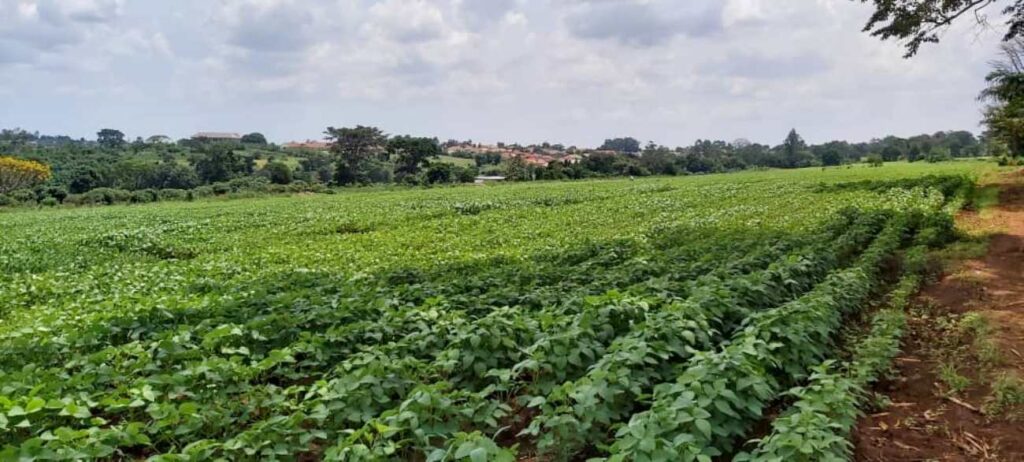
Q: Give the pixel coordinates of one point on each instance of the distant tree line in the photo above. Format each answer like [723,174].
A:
[364,155]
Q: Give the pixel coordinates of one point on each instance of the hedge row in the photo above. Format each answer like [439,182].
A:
[108,196]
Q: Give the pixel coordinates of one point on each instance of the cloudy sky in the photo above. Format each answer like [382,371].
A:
[571,71]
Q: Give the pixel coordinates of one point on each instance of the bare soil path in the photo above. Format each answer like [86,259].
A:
[928,418]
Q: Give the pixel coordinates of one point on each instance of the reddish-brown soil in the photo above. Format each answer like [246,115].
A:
[923,423]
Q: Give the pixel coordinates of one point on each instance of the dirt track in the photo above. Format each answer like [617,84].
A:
[924,423]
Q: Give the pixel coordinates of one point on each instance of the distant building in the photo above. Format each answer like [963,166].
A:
[488,179]
[309,145]
[534,159]
[217,136]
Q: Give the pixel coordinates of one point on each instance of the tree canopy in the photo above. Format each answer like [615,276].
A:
[217,162]
[20,173]
[1004,97]
[795,152]
[254,138]
[411,153]
[627,145]
[354,146]
[110,138]
[916,22]
[279,172]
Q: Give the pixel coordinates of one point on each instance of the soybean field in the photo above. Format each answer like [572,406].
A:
[688,319]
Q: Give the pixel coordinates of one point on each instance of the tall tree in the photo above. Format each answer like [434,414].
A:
[890,153]
[20,173]
[916,22]
[517,169]
[660,160]
[412,153]
[15,138]
[628,145]
[353,147]
[217,162]
[138,145]
[254,138]
[110,138]
[171,175]
[794,151]
[1004,114]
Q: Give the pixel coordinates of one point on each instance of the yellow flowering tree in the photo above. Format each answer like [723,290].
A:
[21,173]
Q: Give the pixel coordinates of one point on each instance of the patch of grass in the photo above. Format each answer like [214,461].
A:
[976,328]
[954,381]
[968,279]
[973,323]
[968,248]
[988,353]
[462,162]
[1007,398]
[985,197]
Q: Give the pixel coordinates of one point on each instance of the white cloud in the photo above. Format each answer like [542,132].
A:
[412,21]
[573,71]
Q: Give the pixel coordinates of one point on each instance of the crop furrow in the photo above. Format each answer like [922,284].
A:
[720,394]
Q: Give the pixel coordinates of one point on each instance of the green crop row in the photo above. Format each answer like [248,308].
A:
[674,328]
[817,424]
[722,393]
[233,361]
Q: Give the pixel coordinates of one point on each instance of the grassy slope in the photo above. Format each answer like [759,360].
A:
[457,161]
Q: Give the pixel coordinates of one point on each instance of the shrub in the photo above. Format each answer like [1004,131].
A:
[249,183]
[439,173]
[173,194]
[49,202]
[75,199]
[202,191]
[23,196]
[221,189]
[6,201]
[1006,161]
[377,172]
[145,196]
[106,196]
[279,172]
[464,174]
[938,155]
[56,192]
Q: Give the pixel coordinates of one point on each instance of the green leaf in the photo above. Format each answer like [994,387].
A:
[478,455]
[35,405]
[704,426]
[464,449]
